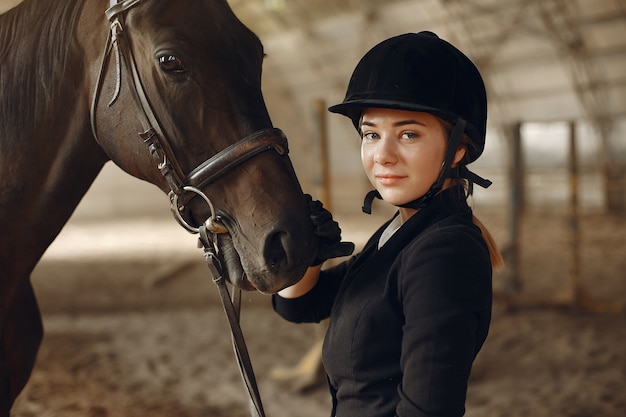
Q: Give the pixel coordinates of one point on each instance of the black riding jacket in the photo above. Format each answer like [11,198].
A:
[406,320]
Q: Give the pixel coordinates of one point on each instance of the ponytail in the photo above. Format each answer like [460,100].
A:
[497,262]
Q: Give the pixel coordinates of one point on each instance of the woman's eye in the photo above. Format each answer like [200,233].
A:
[409,135]
[172,64]
[369,136]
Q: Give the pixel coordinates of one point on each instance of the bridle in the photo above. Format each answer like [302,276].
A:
[184,187]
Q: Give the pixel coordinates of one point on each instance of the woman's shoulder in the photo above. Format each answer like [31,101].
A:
[453,245]
[454,234]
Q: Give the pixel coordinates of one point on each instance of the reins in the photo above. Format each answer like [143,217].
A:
[183,188]
[232,307]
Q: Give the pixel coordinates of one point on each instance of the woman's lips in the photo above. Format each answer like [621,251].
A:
[387,179]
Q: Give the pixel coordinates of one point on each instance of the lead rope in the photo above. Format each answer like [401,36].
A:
[232,307]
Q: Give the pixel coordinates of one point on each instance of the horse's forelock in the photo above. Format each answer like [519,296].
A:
[36,42]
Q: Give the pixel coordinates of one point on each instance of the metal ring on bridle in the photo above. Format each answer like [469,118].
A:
[212,223]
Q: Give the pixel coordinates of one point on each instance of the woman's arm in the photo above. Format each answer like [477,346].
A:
[311,299]
[303,286]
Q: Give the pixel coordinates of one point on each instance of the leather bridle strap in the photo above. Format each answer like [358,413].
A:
[236,154]
[116,7]
[232,308]
[153,135]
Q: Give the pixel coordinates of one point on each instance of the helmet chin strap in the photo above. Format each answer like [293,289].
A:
[447,171]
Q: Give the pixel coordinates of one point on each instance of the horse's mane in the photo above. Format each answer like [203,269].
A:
[36,42]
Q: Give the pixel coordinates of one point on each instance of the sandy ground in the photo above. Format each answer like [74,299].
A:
[134,328]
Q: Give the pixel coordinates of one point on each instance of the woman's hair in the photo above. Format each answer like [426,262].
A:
[497,262]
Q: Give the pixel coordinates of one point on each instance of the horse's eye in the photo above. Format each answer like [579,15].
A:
[172,63]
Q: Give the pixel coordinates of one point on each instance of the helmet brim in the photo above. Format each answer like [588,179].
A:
[354,108]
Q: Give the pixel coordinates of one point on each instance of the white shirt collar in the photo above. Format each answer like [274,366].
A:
[389,231]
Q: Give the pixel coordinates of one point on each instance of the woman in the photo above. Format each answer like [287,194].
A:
[411,311]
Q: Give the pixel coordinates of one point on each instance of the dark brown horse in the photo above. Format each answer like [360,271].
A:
[166,89]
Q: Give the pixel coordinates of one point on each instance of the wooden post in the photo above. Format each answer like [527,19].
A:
[516,179]
[574,269]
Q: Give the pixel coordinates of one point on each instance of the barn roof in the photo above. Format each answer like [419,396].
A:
[542,60]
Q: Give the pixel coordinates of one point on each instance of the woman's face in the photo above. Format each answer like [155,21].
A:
[402,152]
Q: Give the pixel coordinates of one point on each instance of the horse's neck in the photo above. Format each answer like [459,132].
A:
[48,158]
[43,178]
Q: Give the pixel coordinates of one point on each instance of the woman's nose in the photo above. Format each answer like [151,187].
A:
[385,152]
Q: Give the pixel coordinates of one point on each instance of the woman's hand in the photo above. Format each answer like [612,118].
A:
[330,246]
[329,233]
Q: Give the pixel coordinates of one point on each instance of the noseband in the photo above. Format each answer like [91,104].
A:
[183,187]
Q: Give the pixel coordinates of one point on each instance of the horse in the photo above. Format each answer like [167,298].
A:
[170,91]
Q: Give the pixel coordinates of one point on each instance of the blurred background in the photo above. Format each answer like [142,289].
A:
[555,72]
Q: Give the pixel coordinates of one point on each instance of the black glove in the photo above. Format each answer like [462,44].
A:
[329,233]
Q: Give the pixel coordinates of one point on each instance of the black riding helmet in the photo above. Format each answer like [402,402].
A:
[421,72]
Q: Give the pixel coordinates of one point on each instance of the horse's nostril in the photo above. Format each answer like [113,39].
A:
[275,254]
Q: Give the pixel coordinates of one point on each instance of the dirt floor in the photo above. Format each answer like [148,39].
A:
[133,327]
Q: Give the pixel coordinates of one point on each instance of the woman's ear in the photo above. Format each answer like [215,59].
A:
[458,156]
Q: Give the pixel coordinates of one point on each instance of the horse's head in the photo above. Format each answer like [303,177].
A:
[186,74]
